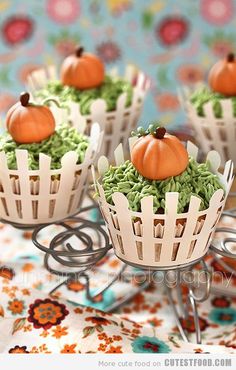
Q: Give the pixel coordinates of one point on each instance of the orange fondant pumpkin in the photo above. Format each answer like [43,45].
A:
[29,123]
[159,155]
[222,76]
[82,70]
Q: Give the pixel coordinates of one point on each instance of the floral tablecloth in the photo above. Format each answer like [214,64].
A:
[32,321]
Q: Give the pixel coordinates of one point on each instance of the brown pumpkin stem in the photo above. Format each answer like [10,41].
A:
[230,57]
[160,132]
[79,51]
[24,99]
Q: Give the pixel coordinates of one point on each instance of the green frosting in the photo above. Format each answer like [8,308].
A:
[204,95]
[110,90]
[196,180]
[64,139]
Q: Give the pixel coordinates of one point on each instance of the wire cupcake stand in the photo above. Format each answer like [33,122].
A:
[64,259]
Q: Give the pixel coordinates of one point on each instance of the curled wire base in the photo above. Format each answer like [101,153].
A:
[64,259]
[61,250]
[184,307]
[220,247]
[74,263]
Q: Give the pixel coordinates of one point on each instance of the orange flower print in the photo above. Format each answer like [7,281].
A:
[114,349]
[16,306]
[89,309]
[114,264]
[46,313]
[27,235]
[78,310]
[27,328]
[59,331]
[27,267]
[136,325]
[138,299]
[189,326]
[190,74]
[7,272]
[117,337]
[198,350]
[69,348]
[136,331]
[102,336]
[225,274]
[18,349]
[75,286]
[98,320]
[155,322]
[127,310]
[98,298]
[167,102]
[102,347]
[109,340]
[102,261]
[220,302]
[126,330]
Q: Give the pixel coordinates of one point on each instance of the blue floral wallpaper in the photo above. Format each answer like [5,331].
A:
[174,42]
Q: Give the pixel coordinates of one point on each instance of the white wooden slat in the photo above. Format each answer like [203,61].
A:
[214,158]
[44,186]
[119,155]
[192,150]
[171,202]
[214,204]
[68,162]
[126,227]
[117,134]
[23,173]
[7,194]
[148,230]
[52,72]
[187,237]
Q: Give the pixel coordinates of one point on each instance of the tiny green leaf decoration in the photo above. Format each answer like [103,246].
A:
[152,129]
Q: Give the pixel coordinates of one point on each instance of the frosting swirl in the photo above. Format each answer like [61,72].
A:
[196,180]
[64,139]
[109,90]
[203,95]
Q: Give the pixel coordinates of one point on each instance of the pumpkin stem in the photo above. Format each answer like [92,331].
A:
[230,57]
[79,51]
[24,99]
[160,132]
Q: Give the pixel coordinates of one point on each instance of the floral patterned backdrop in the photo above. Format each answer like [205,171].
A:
[174,42]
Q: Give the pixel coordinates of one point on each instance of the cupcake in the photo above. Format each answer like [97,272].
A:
[43,167]
[161,206]
[212,109]
[112,101]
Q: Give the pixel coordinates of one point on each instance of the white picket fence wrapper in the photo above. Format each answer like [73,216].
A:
[30,197]
[164,240]
[117,124]
[211,132]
